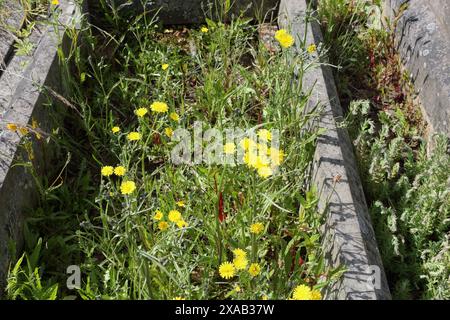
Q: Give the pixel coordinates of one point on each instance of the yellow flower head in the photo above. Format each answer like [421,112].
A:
[302,292]
[181,203]
[237,288]
[23,130]
[229,148]
[250,159]
[265,172]
[181,223]
[316,295]
[174,116]
[127,187]
[158,106]
[107,171]
[168,131]
[204,29]
[119,171]
[141,112]
[239,253]
[240,262]
[247,144]
[174,215]
[134,136]
[276,156]
[227,270]
[158,215]
[11,127]
[179,298]
[55,2]
[311,48]
[284,38]
[115,129]
[163,225]
[254,269]
[264,134]
[164,66]
[256,228]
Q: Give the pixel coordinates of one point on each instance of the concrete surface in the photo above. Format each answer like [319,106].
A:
[23,97]
[423,40]
[11,16]
[349,239]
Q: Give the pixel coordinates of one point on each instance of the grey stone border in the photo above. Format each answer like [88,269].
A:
[423,41]
[23,98]
[349,239]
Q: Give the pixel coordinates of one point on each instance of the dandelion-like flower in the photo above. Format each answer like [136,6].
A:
[227,270]
[239,253]
[311,48]
[164,66]
[107,171]
[276,156]
[134,136]
[181,223]
[159,107]
[204,29]
[240,262]
[265,171]
[163,225]
[284,38]
[120,171]
[247,144]
[316,295]
[229,148]
[12,127]
[141,112]
[168,131]
[55,2]
[256,228]
[158,215]
[254,269]
[174,215]
[115,129]
[302,292]
[179,298]
[127,187]
[264,134]
[181,204]
[174,116]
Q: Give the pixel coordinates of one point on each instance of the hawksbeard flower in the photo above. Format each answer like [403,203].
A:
[163,225]
[141,112]
[316,295]
[254,269]
[204,29]
[169,132]
[119,171]
[247,144]
[55,2]
[256,228]
[174,116]
[181,223]
[134,136]
[302,292]
[265,172]
[115,129]
[284,38]
[174,215]
[158,215]
[240,262]
[311,48]
[264,134]
[164,66]
[181,204]
[12,127]
[229,148]
[227,270]
[239,253]
[107,171]
[159,107]
[127,187]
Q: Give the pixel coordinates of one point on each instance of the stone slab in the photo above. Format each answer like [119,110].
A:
[11,17]
[349,239]
[423,41]
[26,101]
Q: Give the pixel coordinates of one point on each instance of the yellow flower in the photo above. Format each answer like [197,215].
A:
[237,288]
[168,131]
[174,116]
[311,48]
[181,223]
[133,136]
[240,262]
[23,130]
[107,171]
[302,292]
[204,29]
[162,225]
[179,298]
[229,148]
[265,172]
[264,134]
[254,269]
[127,187]
[55,2]
[164,66]
[247,144]
[181,203]
[174,215]
[119,171]
[239,253]
[141,112]
[265,297]
[158,215]
[276,156]
[261,162]
[115,129]
[158,106]
[316,295]
[284,38]
[227,270]
[11,127]
[257,228]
